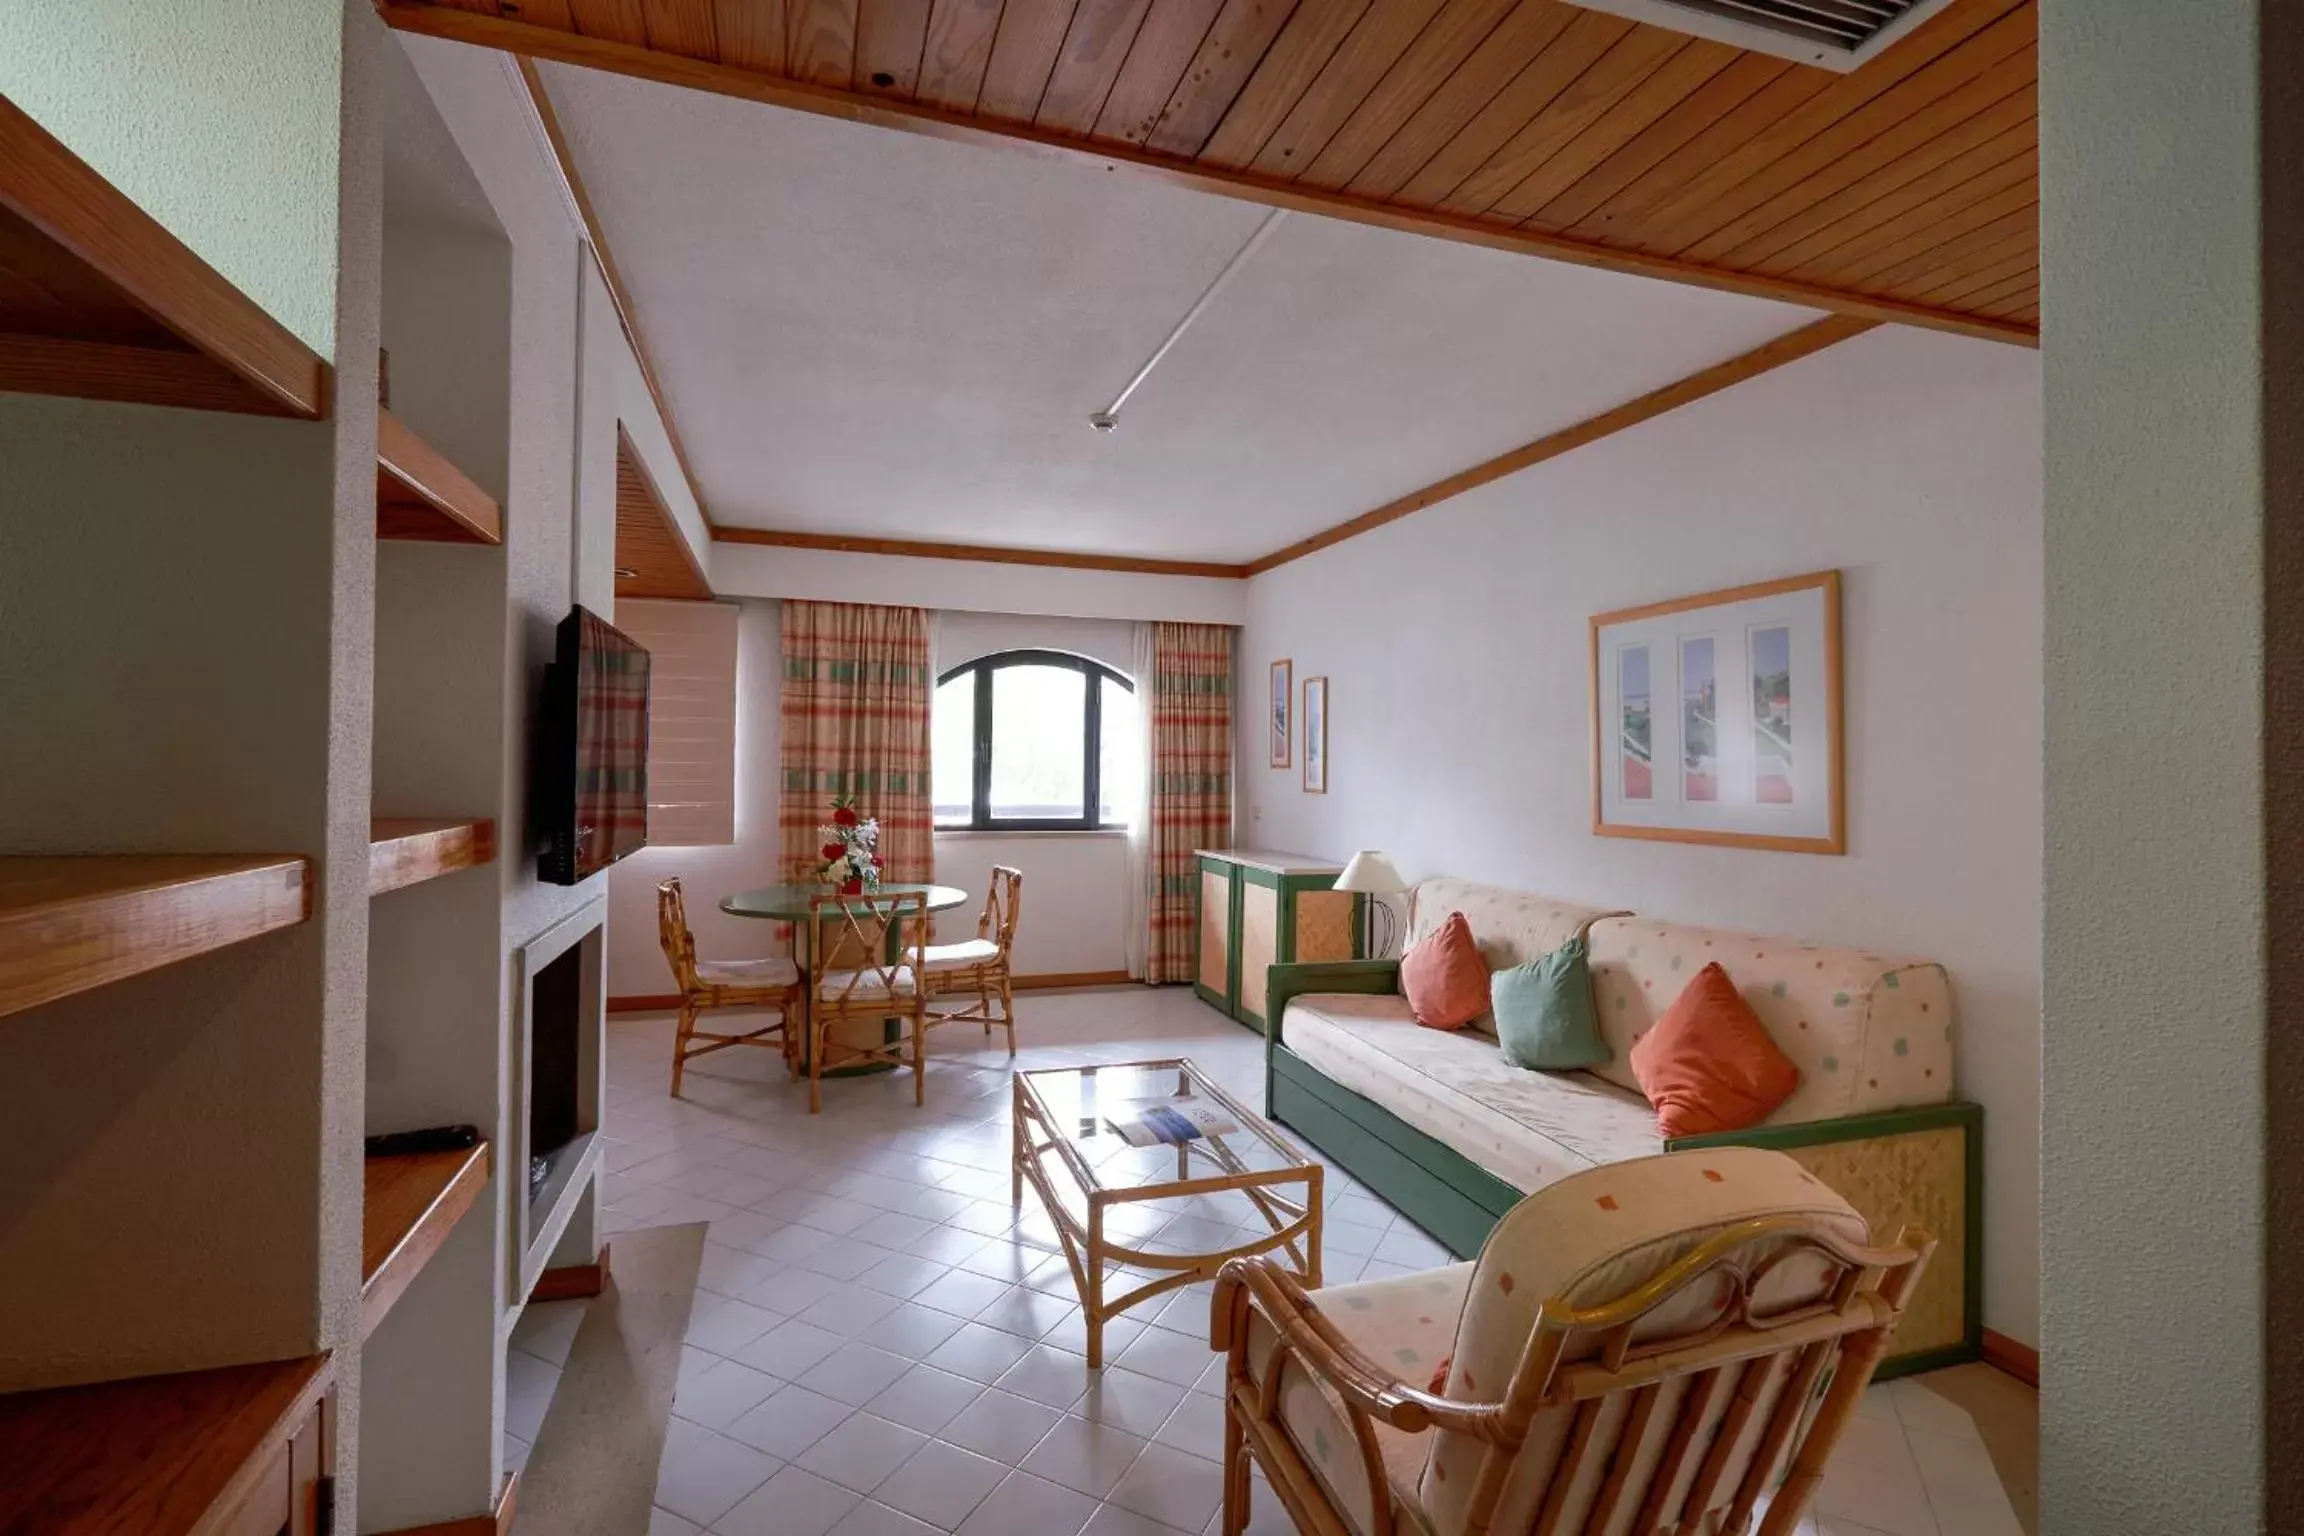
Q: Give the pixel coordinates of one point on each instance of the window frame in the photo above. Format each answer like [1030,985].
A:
[1094,673]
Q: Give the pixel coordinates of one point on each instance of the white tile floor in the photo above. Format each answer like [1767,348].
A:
[882,1346]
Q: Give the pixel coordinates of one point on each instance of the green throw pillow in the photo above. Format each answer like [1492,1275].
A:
[1544,1014]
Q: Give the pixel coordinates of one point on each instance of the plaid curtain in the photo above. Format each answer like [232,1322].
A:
[1191,781]
[857,680]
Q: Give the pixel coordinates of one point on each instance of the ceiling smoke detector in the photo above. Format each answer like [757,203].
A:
[1833,34]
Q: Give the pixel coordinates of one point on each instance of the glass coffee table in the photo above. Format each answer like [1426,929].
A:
[1171,1211]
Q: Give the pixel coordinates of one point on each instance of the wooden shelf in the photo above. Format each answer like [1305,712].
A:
[98,301]
[164,1455]
[406,850]
[420,495]
[409,1206]
[69,924]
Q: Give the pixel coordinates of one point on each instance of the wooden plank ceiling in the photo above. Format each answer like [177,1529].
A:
[1907,190]
[652,559]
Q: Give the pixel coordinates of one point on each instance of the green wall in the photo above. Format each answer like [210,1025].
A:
[219,117]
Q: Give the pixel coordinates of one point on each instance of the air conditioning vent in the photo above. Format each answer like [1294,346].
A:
[1836,34]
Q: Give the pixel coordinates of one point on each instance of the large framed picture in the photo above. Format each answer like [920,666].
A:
[1717,718]
[1315,735]
[1283,692]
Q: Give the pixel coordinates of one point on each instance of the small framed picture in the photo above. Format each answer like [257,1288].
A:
[1283,696]
[1315,735]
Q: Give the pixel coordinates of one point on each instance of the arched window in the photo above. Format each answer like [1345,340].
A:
[1035,741]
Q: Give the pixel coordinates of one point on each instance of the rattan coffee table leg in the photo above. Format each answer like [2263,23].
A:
[1019,1140]
[1092,1301]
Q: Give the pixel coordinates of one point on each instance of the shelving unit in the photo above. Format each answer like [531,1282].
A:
[420,495]
[206,1451]
[98,301]
[408,1207]
[407,850]
[69,924]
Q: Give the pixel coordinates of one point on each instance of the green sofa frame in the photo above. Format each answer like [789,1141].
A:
[1456,1201]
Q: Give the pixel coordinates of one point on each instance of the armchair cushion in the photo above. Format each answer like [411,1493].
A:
[965,955]
[772,972]
[1404,1323]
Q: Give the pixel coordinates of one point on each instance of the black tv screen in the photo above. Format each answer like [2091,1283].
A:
[591,781]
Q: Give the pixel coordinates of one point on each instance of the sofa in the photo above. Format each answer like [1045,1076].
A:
[1447,1130]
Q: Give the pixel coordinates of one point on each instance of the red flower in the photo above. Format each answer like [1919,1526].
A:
[832,850]
[845,816]
[852,888]
[875,861]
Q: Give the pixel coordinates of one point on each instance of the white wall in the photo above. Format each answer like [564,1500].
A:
[1456,644]
[833,576]
[1075,883]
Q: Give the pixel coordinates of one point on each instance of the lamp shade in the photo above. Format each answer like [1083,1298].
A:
[1371,874]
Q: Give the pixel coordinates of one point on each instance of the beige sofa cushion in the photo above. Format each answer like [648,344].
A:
[1867,1032]
[1527,1128]
[1511,927]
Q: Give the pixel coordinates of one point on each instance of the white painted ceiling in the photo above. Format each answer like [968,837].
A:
[867,332]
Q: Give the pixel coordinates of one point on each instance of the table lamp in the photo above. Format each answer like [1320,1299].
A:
[1372,874]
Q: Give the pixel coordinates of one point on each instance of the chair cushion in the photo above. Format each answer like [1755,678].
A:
[1868,1032]
[1708,1065]
[962,956]
[1593,1239]
[833,986]
[1527,1128]
[1511,927]
[772,972]
[1444,978]
[1544,1017]
[1404,1324]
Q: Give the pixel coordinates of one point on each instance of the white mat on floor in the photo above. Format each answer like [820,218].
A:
[593,1469]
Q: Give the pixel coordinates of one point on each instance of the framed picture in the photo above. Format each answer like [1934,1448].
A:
[1315,735]
[1717,718]
[1283,696]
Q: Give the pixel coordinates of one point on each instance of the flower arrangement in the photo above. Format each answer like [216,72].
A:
[851,843]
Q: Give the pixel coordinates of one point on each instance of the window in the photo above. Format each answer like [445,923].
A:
[691,718]
[1035,741]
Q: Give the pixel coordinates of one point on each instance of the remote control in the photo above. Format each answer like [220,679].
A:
[438,1138]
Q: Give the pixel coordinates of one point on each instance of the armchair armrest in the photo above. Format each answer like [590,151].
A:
[1308,1337]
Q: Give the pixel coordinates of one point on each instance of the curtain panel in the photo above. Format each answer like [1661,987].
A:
[1191,782]
[857,682]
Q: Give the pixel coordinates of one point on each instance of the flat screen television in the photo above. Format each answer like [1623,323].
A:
[591,782]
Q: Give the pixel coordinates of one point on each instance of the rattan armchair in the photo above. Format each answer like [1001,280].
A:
[1665,1347]
[705,985]
[979,968]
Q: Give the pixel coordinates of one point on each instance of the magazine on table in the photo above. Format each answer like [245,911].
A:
[1170,1121]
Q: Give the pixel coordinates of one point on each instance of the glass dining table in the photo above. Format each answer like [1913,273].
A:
[789,904]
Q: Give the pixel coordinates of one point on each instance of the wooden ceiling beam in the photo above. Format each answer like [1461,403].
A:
[988,554]
[538,42]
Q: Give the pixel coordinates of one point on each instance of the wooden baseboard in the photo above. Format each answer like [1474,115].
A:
[496,1524]
[2021,1361]
[1048,979]
[572,1282]
[645,1002]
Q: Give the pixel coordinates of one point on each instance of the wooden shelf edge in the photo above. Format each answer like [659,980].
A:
[164,1454]
[420,495]
[104,230]
[408,1207]
[72,923]
[407,850]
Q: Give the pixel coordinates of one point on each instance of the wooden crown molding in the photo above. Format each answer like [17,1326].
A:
[1765,358]
[993,554]
[533,41]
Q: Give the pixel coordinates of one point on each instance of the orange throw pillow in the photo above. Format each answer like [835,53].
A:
[1444,978]
[1708,1065]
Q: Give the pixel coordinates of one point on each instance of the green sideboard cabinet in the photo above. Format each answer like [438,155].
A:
[1259,909]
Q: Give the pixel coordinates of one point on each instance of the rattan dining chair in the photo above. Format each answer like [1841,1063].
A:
[887,937]
[978,968]
[705,985]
